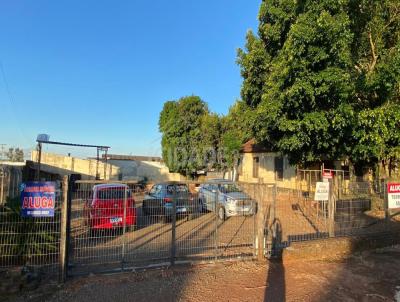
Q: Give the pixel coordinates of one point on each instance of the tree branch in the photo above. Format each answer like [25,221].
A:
[374,55]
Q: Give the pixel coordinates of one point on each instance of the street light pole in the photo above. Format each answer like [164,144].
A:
[37,177]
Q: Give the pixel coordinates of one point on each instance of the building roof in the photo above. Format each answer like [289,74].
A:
[252,147]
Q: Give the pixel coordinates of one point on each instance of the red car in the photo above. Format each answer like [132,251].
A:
[105,210]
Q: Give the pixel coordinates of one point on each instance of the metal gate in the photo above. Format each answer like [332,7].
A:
[354,208]
[121,226]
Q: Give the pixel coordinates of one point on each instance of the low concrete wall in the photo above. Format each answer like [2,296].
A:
[337,248]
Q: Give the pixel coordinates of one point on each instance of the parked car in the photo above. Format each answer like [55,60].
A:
[105,208]
[159,200]
[226,198]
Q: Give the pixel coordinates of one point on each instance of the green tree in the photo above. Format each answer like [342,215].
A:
[316,74]
[376,56]
[182,126]
[16,155]
[236,129]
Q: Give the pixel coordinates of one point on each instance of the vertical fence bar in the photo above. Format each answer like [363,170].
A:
[2,199]
[331,210]
[386,201]
[260,224]
[124,229]
[173,231]
[63,260]
[255,209]
[216,225]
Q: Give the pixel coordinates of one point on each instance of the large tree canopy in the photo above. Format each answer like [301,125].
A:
[318,71]
[180,125]
[190,135]
[376,57]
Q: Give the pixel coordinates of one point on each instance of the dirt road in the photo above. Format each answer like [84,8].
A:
[371,276]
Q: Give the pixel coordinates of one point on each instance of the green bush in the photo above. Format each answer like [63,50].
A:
[27,240]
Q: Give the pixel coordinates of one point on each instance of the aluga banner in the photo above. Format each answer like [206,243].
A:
[38,198]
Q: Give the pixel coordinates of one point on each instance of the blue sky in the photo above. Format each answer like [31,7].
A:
[98,72]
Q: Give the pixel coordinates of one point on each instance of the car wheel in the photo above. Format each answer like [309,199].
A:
[221,213]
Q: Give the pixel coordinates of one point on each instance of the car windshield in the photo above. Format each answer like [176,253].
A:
[113,193]
[229,188]
[179,189]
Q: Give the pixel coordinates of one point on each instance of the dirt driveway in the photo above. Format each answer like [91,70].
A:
[370,276]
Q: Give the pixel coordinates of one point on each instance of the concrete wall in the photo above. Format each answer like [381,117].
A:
[64,165]
[115,169]
[338,249]
[266,173]
[152,170]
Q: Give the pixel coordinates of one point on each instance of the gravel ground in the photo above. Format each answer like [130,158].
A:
[370,276]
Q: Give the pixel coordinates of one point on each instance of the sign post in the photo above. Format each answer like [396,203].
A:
[323,193]
[326,175]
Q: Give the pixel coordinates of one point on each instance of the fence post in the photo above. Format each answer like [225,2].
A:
[124,229]
[173,237]
[386,201]
[216,225]
[255,209]
[331,210]
[260,221]
[63,260]
[2,171]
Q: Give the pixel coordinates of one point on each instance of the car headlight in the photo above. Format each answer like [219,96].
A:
[230,201]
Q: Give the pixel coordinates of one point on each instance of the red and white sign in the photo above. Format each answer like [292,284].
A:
[327,174]
[393,190]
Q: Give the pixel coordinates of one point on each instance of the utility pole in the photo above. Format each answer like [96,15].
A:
[39,160]
[2,172]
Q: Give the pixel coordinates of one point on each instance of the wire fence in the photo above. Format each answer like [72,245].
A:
[108,226]
[354,209]
[115,227]
[10,180]
[30,241]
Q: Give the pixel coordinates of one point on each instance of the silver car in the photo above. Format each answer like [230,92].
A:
[226,198]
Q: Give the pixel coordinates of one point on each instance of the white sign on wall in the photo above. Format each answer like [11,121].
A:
[393,190]
[322,191]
